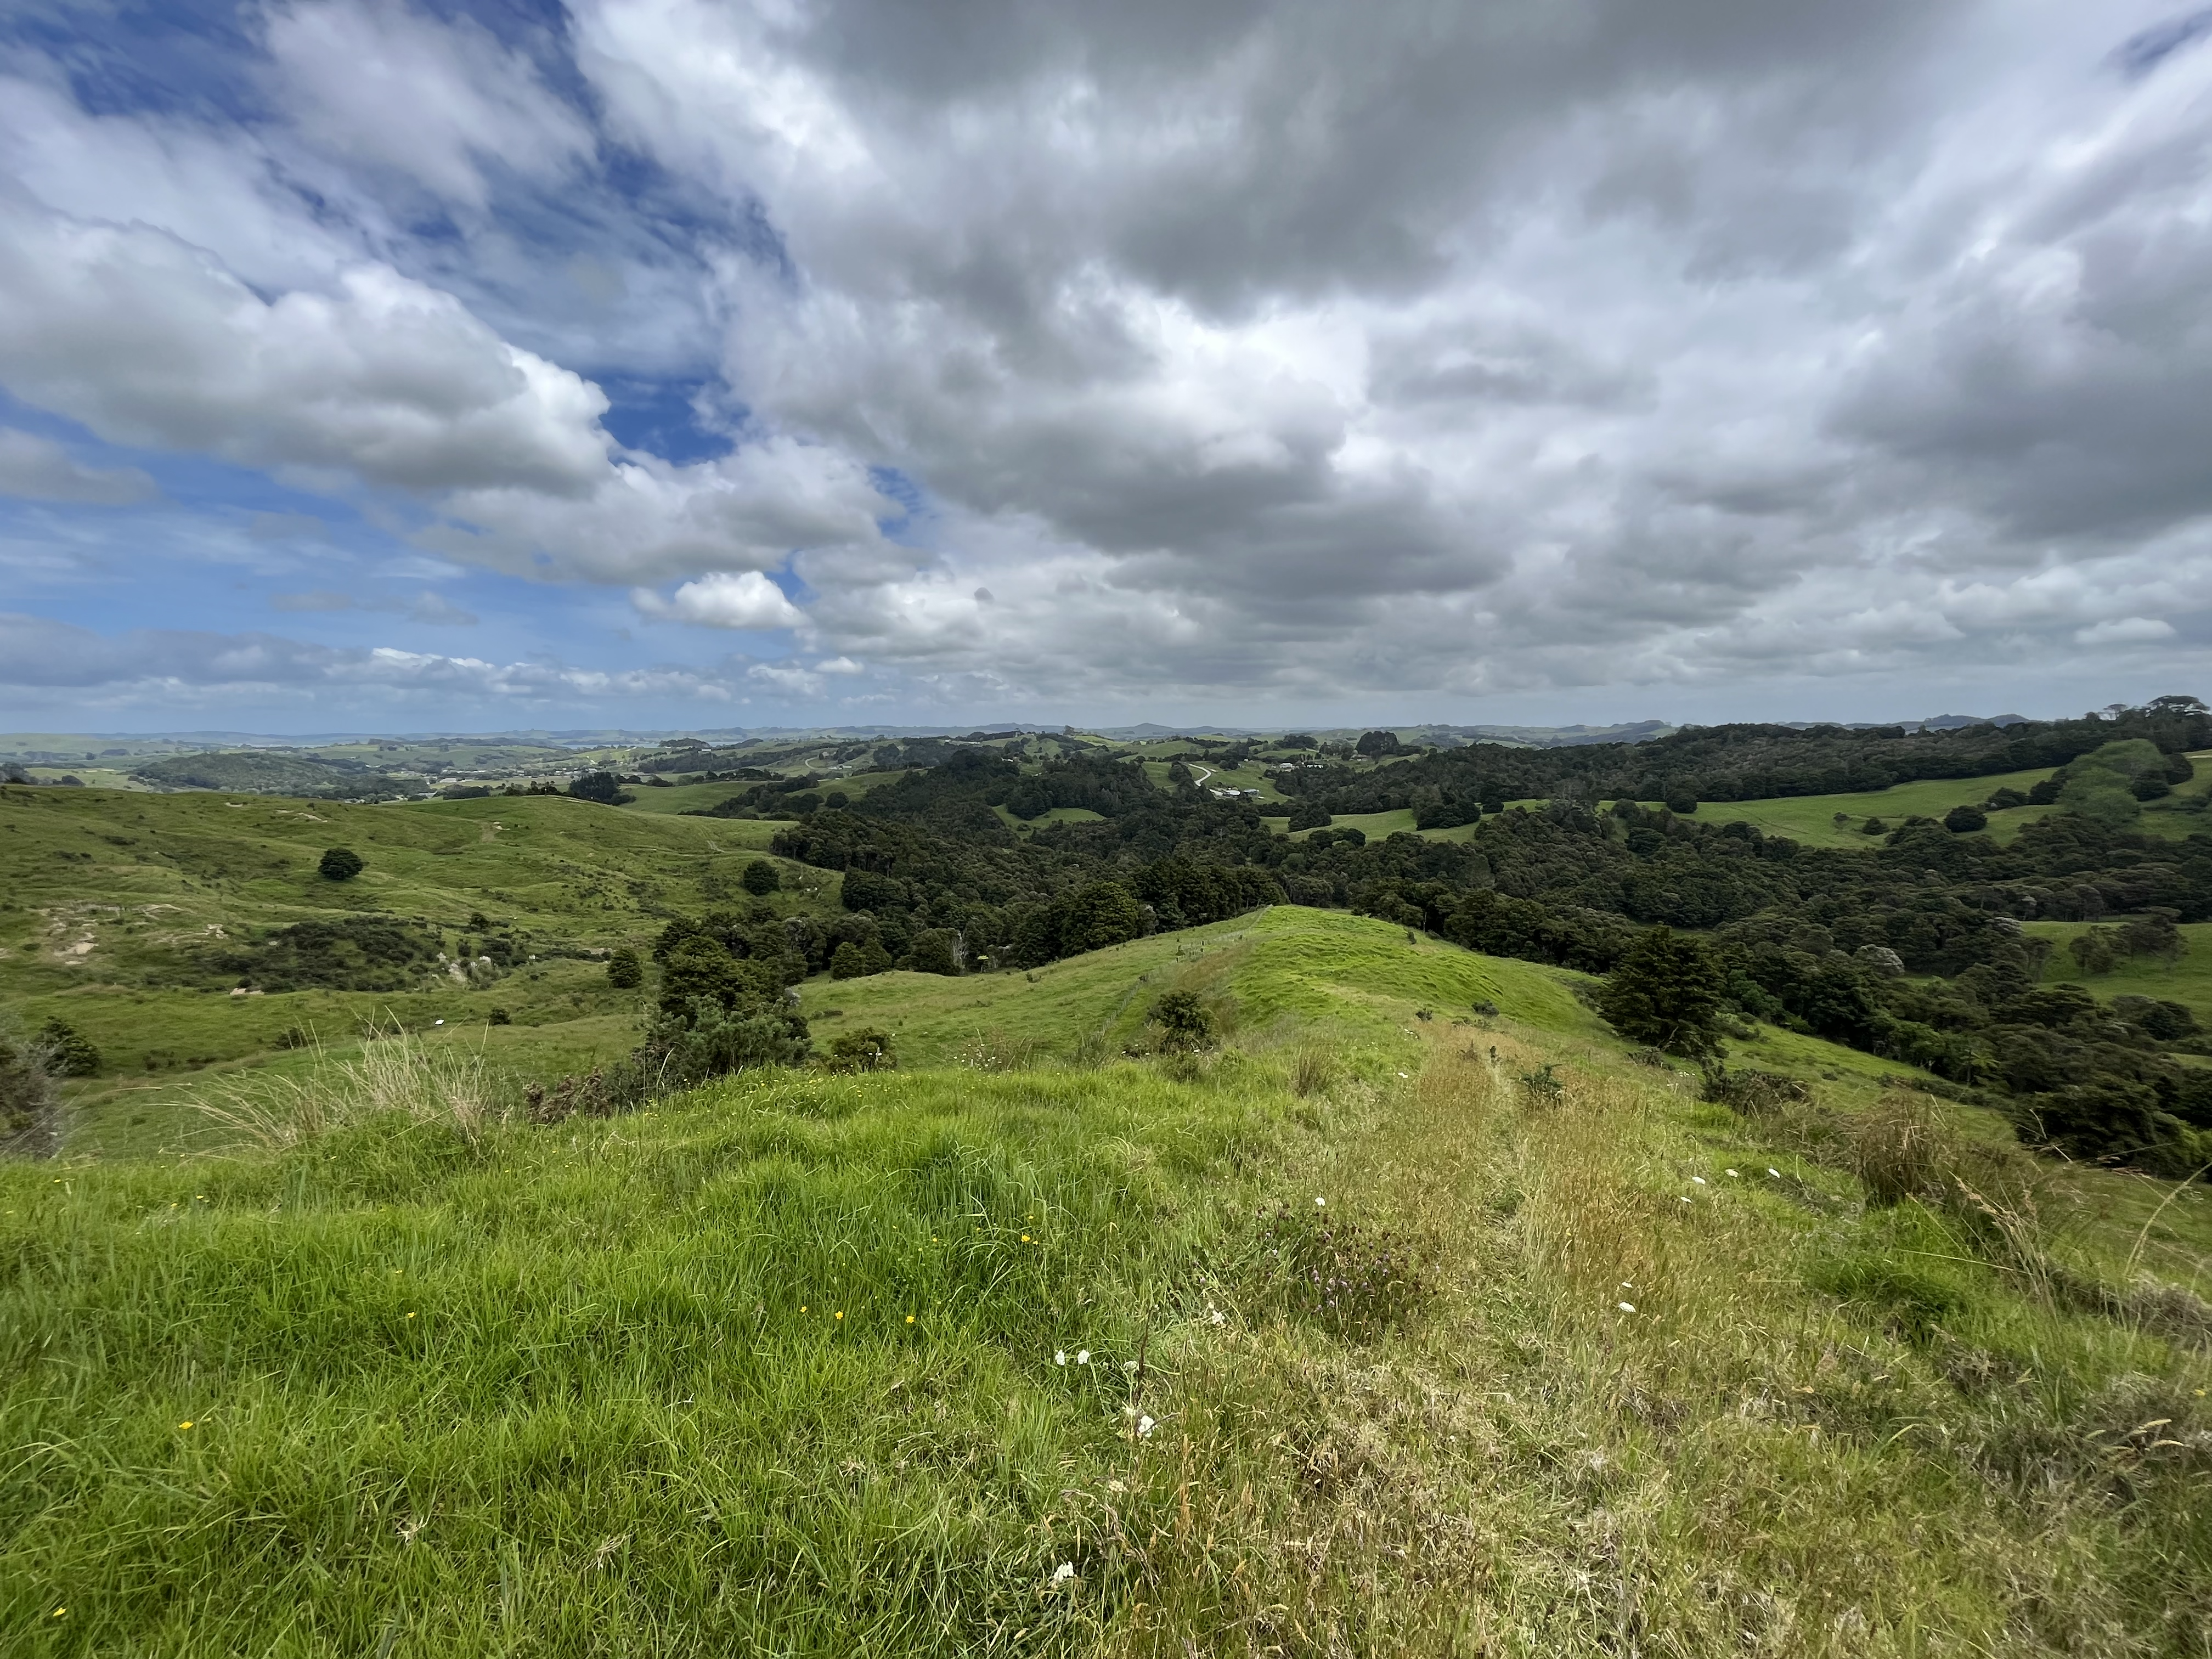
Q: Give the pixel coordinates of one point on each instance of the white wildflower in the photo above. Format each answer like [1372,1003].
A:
[1700,1180]
[1083,1355]
[1320,1204]
[1219,1317]
[1738,1174]
[1776,1174]
[1060,1356]
[1626,1307]
[1063,1572]
[1130,1366]
[1144,1426]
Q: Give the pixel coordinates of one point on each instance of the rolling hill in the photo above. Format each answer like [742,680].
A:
[1392,1325]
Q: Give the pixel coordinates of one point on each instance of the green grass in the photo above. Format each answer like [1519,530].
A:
[1284,969]
[103,894]
[1811,818]
[2188,981]
[456,1386]
[1052,815]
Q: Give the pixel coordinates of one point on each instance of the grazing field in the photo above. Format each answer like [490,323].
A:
[1026,1356]
[109,902]
[1811,818]
[2187,979]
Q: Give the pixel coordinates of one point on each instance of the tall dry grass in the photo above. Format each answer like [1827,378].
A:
[395,1073]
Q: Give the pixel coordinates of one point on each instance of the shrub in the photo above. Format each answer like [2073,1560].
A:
[710,1041]
[340,864]
[30,1105]
[1682,802]
[625,971]
[867,1050]
[1965,820]
[761,878]
[70,1052]
[1873,827]
[1185,1023]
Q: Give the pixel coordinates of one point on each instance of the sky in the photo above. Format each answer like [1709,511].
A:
[372,365]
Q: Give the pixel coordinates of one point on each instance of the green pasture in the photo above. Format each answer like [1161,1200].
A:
[1014,1358]
[1271,975]
[1811,818]
[2187,980]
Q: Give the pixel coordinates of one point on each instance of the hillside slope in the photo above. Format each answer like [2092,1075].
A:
[1371,1332]
[113,907]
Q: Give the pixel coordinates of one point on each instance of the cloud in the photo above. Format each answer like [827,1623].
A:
[2125,630]
[385,381]
[1267,354]
[37,468]
[39,654]
[427,608]
[744,599]
[383,85]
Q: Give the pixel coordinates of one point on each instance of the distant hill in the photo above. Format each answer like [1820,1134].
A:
[269,772]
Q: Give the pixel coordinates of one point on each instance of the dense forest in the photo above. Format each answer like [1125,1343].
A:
[1911,949]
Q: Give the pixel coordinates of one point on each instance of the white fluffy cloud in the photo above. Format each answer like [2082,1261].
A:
[742,599]
[385,381]
[438,101]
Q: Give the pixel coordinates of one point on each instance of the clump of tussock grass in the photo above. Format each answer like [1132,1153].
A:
[1314,1070]
[395,1073]
[1351,1278]
[999,1050]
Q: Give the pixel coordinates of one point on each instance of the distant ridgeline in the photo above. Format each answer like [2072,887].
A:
[1828,942]
[1746,762]
[274,772]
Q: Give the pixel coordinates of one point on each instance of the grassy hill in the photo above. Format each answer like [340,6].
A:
[1027,1356]
[110,900]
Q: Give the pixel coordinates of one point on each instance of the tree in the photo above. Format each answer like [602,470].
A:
[700,973]
[604,787]
[340,864]
[1309,815]
[761,878]
[1375,745]
[1667,993]
[1104,912]
[864,889]
[1682,802]
[625,971]
[1965,820]
[934,951]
